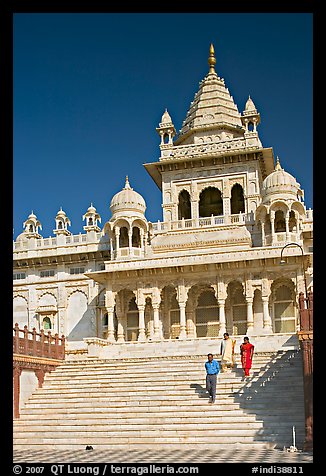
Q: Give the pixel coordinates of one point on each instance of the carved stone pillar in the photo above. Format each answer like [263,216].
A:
[272,219]
[110,336]
[250,316]
[141,325]
[263,239]
[117,248]
[190,324]
[267,321]
[156,319]
[109,304]
[287,229]
[183,327]
[222,317]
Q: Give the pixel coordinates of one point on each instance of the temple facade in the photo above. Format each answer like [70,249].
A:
[232,253]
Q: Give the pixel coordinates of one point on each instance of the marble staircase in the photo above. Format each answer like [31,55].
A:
[162,402]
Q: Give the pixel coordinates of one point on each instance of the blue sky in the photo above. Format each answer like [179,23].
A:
[90,89]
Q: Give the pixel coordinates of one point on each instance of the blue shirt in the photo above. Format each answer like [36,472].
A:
[212,367]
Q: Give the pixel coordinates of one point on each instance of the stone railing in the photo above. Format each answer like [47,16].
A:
[221,147]
[213,221]
[281,238]
[53,242]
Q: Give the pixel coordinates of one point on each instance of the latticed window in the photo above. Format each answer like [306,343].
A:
[207,316]
[284,310]
[47,324]
[132,320]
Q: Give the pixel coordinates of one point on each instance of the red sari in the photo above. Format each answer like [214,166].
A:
[246,351]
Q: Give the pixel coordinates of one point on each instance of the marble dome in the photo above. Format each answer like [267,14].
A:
[127,200]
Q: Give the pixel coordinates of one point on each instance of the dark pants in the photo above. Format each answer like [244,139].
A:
[211,385]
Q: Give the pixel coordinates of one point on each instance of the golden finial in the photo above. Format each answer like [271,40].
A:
[278,164]
[211,59]
[127,185]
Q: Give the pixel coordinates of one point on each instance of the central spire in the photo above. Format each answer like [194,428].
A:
[211,59]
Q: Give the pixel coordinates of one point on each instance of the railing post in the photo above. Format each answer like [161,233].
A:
[16,339]
[63,343]
[26,340]
[49,344]
[42,337]
[56,340]
[34,341]
[311,310]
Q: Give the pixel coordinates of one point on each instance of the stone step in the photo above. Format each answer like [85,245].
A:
[139,364]
[141,414]
[152,396]
[169,382]
[257,408]
[168,369]
[177,365]
[182,389]
[184,425]
[234,417]
[177,397]
[172,380]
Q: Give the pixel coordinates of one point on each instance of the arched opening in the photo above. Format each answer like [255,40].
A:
[210,202]
[166,138]
[123,237]
[31,228]
[237,199]
[258,310]
[207,315]
[250,126]
[292,221]
[136,242]
[132,320]
[105,320]
[279,221]
[236,309]
[284,309]
[184,206]
[90,221]
[174,312]
[47,324]
[60,225]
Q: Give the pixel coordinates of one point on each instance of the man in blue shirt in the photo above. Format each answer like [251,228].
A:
[212,369]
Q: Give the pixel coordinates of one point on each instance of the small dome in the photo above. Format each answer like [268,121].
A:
[280,182]
[127,199]
[91,209]
[250,106]
[22,236]
[32,216]
[61,213]
[166,118]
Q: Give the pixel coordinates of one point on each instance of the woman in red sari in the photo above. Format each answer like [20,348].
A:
[246,352]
